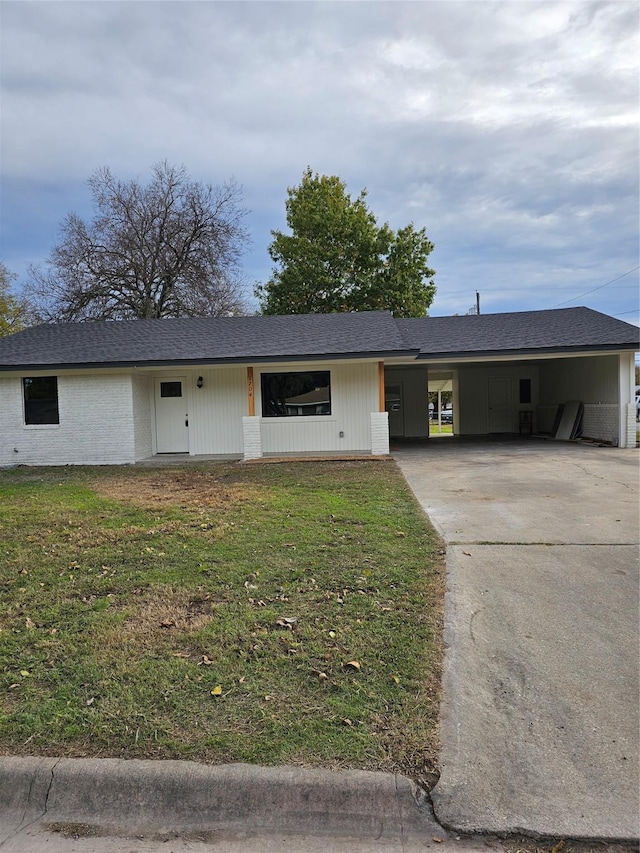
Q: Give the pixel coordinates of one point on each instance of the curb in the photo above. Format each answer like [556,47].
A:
[142,795]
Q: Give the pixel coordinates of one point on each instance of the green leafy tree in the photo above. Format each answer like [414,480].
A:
[13,310]
[338,258]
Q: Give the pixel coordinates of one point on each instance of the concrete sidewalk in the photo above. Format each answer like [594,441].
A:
[540,711]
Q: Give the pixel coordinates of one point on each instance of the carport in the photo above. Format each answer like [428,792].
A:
[509,373]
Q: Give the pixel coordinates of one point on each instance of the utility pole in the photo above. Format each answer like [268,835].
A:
[477,302]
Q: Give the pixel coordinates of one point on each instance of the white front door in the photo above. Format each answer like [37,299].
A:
[172,416]
[500,405]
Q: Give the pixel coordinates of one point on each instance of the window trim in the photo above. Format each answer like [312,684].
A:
[294,418]
[47,424]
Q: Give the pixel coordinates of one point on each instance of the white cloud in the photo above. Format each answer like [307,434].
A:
[508,129]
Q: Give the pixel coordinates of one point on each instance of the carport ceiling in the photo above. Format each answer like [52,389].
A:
[440,382]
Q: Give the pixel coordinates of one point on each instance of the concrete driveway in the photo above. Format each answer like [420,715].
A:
[540,709]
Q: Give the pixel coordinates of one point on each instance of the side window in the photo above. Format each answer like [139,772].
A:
[525,390]
[292,395]
[40,399]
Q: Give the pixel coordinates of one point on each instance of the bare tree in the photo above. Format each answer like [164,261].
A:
[171,248]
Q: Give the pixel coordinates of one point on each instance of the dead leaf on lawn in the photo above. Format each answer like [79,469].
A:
[205,661]
[286,622]
[217,690]
[168,623]
[353,664]
[347,722]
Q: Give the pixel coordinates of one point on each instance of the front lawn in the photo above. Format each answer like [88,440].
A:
[270,613]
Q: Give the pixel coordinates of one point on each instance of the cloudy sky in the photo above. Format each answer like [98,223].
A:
[508,129]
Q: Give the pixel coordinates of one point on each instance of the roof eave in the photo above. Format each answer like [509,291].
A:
[525,353]
[192,362]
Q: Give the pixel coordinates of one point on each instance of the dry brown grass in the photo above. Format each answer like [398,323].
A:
[191,489]
[156,614]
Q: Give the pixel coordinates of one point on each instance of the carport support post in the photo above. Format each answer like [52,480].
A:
[251,400]
[251,433]
[380,420]
[626,399]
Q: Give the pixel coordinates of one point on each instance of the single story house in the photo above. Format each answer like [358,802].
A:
[120,392]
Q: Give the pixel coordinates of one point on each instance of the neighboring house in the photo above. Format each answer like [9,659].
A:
[119,392]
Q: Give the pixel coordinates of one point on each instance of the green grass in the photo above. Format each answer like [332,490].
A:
[129,595]
[445,429]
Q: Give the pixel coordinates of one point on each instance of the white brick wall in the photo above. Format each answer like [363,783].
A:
[96,423]
[379,433]
[252,441]
[630,430]
[601,421]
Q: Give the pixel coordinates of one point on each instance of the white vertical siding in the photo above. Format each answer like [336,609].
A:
[143,425]
[592,379]
[354,395]
[217,409]
[473,394]
[96,423]
[415,398]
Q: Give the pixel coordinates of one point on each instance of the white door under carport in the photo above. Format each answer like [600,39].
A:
[500,416]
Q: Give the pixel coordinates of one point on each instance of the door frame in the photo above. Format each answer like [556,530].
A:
[186,396]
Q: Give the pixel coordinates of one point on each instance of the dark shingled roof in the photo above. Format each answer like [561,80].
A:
[375,334]
[204,340]
[522,332]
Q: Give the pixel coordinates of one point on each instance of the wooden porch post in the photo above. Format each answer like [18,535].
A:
[381,406]
[251,400]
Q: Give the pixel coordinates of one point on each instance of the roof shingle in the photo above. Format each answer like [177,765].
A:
[204,340]
[560,329]
[300,337]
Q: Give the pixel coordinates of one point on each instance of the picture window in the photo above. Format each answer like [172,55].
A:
[300,394]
